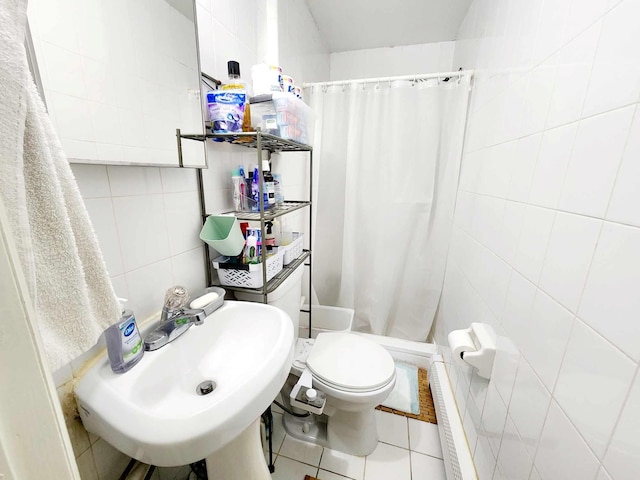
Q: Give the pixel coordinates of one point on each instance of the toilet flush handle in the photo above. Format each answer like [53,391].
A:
[311,394]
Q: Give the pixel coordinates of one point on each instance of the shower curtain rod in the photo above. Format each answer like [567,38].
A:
[426,76]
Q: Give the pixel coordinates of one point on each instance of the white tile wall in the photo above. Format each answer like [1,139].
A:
[385,62]
[549,187]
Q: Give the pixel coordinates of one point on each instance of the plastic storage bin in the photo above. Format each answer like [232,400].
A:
[325,319]
[249,276]
[285,115]
[294,249]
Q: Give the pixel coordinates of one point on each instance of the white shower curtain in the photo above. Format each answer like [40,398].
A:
[386,160]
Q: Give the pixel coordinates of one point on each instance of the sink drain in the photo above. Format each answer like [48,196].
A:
[206,387]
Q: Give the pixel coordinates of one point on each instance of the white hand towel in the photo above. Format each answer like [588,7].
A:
[59,252]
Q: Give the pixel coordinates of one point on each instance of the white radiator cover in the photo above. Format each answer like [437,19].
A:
[458,462]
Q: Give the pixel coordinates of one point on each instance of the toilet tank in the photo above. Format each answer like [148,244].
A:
[286,297]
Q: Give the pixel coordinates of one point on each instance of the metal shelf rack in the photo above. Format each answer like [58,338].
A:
[260,141]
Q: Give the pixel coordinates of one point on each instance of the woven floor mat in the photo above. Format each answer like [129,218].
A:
[427,410]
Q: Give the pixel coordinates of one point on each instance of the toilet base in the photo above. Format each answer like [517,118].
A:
[312,429]
[354,433]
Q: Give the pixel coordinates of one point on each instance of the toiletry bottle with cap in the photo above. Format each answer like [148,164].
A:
[237,85]
[124,343]
[269,184]
[238,186]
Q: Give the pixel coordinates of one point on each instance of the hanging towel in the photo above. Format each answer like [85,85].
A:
[59,252]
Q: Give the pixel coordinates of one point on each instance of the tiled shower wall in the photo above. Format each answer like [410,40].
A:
[546,236]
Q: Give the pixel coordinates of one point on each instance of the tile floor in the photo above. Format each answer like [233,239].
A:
[407,450]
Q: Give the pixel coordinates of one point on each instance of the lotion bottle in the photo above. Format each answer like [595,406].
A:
[124,343]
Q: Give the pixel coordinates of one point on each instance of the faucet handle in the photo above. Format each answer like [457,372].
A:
[176,298]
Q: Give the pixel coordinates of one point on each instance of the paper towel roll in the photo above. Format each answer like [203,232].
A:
[460,341]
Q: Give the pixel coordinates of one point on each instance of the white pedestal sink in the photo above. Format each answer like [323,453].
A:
[155,414]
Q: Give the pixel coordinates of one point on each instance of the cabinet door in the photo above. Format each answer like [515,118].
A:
[119,77]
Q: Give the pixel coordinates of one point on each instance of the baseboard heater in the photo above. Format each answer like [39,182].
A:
[458,461]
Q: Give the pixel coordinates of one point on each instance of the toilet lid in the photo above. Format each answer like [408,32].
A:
[351,362]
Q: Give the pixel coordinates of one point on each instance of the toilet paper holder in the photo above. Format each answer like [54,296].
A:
[475,346]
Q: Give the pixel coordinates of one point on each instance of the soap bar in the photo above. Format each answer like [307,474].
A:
[204,300]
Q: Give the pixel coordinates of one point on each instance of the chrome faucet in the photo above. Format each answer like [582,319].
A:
[175,319]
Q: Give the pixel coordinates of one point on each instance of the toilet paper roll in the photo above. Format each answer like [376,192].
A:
[461,341]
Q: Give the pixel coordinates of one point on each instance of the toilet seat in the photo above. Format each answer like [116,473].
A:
[350,363]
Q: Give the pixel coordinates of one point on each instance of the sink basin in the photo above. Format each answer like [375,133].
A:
[154,412]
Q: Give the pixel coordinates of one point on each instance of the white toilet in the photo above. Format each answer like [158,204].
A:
[353,372]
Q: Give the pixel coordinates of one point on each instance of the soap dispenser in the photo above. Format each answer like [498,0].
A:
[124,343]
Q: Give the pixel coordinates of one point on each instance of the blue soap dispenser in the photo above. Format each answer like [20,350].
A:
[124,343]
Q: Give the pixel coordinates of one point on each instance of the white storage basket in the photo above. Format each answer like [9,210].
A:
[251,278]
[294,249]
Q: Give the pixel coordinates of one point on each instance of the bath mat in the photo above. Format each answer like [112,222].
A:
[404,396]
[427,410]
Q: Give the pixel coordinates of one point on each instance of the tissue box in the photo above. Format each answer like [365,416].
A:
[285,115]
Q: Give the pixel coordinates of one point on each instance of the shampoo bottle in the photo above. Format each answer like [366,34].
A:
[269,184]
[124,343]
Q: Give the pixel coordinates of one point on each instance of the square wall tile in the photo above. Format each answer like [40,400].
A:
[104,224]
[562,453]
[594,162]
[553,159]
[92,180]
[626,195]
[571,246]
[484,459]
[592,385]
[128,181]
[533,242]
[623,455]
[528,407]
[547,337]
[572,79]
[513,460]
[493,419]
[616,61]
[188,269]
[147,286]
[524,165]
[183,219]
[505,367]
[610,302]
[387,462]
[142,230]
[516,316]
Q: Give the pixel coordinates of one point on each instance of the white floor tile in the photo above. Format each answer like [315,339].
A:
[301,451]
[388,462]
[343,464]
[325,475]
[287,469]
[424,466]
[392,429]
[424,438]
